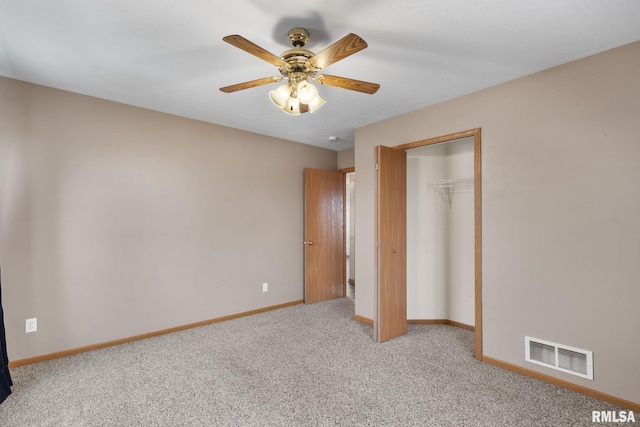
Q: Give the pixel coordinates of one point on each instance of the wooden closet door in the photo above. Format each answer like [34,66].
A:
[391,245]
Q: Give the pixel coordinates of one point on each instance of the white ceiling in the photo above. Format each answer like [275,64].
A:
[169,55]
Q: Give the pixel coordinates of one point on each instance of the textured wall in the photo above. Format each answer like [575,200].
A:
[560,210]
[117,221]
[346,158]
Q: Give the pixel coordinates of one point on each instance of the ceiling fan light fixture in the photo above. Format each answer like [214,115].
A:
[316,103]
[292,106]
[307,92]
[280,96]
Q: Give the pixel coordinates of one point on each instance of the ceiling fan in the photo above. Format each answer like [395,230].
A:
[299,66]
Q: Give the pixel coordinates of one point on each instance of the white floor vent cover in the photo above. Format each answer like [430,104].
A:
[560,357]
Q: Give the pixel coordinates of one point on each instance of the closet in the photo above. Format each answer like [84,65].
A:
[440,233]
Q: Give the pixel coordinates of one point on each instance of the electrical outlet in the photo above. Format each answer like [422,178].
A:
[31,325]
[265,287]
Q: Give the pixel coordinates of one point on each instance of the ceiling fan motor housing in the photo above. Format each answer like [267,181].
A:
[297,63]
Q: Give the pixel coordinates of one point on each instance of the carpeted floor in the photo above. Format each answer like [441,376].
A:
[306,365]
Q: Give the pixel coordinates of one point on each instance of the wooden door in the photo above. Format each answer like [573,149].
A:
[324,275]
[391,243]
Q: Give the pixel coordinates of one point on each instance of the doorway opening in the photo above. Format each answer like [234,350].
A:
[474,136]
[349,232]
[440,234]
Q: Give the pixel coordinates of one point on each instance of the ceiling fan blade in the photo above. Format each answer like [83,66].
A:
[351,84]
[252,83]
[348,45]
[255,50]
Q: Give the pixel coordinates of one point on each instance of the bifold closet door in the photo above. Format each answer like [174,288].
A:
[391,243]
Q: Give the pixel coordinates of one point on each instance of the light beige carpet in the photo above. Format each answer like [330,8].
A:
[298,366]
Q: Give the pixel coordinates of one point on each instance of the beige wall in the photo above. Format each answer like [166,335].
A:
[346,158]
[117,221]
[560,210]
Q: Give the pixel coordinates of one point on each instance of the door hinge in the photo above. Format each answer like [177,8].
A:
[377,166]
[377,245]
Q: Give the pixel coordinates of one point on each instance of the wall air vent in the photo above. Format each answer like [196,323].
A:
[560,357]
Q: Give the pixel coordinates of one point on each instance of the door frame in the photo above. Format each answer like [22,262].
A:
[345,171]
[477,175]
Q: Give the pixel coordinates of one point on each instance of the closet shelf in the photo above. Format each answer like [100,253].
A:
[446,187]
